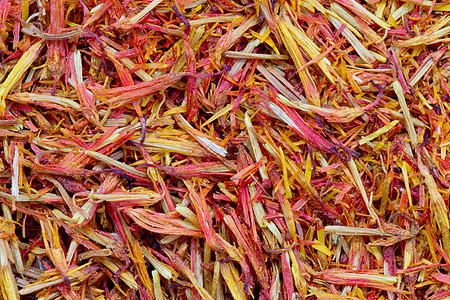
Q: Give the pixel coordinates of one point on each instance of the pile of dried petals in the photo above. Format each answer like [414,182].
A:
[219,149]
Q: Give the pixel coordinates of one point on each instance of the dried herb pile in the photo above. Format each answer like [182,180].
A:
[224,149]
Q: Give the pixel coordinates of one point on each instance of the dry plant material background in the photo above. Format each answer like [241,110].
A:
[224,149]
